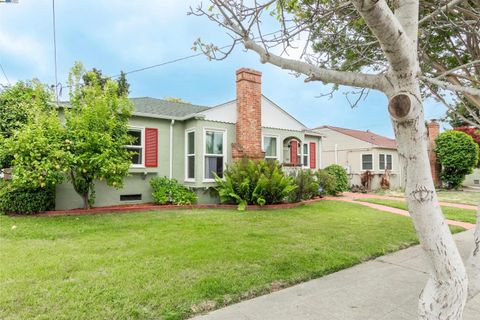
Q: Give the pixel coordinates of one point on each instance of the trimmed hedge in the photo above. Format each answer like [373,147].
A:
[341,178]
[170,191]
[23,200]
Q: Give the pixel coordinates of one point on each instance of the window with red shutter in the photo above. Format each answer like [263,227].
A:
[151,147]
[313,155]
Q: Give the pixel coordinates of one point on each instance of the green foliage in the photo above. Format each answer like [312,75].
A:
[254,182]
[307,186]
[39,152]
[326,182]
[170,191]
[458,154]
[96,131]
[25,200]
[17,104]
[341,179]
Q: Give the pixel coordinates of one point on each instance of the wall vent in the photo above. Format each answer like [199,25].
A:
[130,197]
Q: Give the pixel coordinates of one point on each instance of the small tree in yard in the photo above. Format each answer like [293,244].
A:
[96,132]
[17,104]
[385,46]
[458,154]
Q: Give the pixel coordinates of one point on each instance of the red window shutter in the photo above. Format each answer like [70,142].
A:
[293,152]
[313,155]
[151,147]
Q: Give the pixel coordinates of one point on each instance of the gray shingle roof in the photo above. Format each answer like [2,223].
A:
[159,107]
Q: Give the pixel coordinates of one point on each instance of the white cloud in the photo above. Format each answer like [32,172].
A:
[25,49]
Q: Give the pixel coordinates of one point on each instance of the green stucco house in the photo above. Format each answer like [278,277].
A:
[190,142]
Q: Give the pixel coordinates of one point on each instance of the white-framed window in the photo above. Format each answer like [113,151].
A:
[137,145]
[299,153]
[270,146]
[215,153]
[190,155]
[367,161]
[306,153]
[385,161]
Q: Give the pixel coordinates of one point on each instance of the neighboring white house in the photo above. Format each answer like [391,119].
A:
[473,180]
[360,151]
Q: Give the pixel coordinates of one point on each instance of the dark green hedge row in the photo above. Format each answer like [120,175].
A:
[25,200]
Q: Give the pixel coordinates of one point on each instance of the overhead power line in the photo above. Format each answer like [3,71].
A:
[5,75]
[55,48]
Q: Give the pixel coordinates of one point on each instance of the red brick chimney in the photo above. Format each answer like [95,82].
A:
[249,115]
[433,130]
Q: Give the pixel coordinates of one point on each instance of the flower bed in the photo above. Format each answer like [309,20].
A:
[151,206]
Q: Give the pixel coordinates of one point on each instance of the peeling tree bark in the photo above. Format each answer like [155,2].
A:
[445,294]
[473,263]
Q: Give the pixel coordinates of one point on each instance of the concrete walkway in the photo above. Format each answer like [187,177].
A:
[348,198]
[386,288]
[367,195]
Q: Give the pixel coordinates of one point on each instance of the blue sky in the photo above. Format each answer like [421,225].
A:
[126,35]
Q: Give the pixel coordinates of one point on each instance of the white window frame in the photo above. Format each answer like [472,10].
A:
[224,147]
[187,179]
[373,161]
[141,147]
[276,146]
[385,155]
[306,154]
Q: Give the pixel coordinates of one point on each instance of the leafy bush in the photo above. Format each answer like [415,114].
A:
[170,191]
[341,179]
[458,154]
[25,200]
[307,186]
[326,183]
[254,182]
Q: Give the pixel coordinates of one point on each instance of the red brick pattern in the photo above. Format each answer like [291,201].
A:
[433,130]
[249,115]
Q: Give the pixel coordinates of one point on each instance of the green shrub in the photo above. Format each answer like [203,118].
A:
[254,182]
[307,186]
[341,179]
[24,200]
[326,182]
[457,152]
[170,191]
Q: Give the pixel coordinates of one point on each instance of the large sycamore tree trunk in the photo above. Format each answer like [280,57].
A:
[445,294]
[473,263]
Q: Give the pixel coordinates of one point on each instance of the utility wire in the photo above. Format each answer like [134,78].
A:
[55,48]
[165,63]
[5,75]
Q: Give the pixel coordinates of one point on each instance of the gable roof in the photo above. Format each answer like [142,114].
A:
[366,136]
[273,116]
[158,107]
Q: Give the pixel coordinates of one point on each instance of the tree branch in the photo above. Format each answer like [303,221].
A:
[452,87]
[354,79]
[446,7]
[393,39]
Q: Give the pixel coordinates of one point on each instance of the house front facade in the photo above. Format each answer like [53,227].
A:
[361,151]
[190,143]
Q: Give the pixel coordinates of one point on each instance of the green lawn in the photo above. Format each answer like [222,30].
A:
[170,264]
[465,197]
[449,212]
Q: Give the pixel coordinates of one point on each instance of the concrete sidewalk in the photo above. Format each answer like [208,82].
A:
[386,288]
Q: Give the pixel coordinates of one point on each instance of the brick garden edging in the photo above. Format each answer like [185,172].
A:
[151,206]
